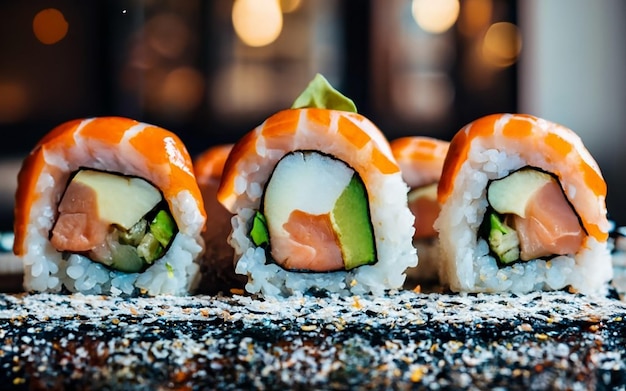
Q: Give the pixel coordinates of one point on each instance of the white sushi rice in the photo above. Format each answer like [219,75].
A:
[45,269]
[467,265]
[393,229]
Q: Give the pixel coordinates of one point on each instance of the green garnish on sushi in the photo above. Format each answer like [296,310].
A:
[319,94]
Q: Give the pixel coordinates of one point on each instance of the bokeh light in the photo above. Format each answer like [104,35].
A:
[168,35]
[289,6]
[502,44]
[435,16]
[182,90]
[475,16]
[50,26]
[257,22]
[13,101]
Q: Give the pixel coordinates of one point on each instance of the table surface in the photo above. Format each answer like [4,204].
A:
[542,340]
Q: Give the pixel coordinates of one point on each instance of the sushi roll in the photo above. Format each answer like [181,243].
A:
[421,159]
[319,202]
[523,209]
[218,270]
[109,205]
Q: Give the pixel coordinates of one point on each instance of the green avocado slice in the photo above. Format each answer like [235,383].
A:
[163,227]
[352,223]
[259,233]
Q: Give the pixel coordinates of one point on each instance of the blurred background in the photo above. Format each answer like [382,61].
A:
[212,70]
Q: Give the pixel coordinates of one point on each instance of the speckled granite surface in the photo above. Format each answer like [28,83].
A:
[405,340]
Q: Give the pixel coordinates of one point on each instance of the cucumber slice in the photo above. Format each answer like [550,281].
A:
[126,259]
[150,248]
[259,233]
[503,240]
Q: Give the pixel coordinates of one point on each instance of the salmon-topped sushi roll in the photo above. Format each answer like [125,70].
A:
[421,160]
[523,208]
[109,205]
[218,270]
[319,202]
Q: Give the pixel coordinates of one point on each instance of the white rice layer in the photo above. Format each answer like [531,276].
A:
[467,265]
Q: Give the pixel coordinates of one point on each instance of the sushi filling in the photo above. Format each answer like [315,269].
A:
[529,217]
[118,221]
[424,206]
[314,215]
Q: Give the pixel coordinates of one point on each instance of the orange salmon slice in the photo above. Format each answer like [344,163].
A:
[78,227]
[550,227]
[312,244]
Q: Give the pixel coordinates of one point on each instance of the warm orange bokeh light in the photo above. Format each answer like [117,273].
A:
[181,91]
[288,6]
[502,44]
[475,16]
[50,26]
[14,102]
